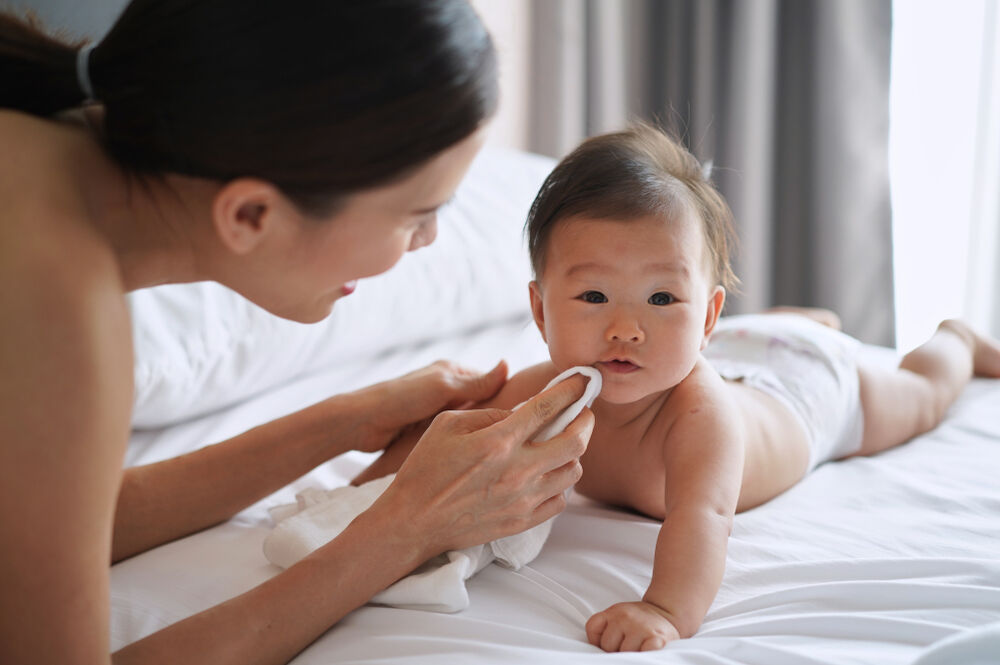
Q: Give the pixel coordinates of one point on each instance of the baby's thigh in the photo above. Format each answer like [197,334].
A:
[897,405]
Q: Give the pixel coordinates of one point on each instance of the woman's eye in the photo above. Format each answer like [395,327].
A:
[660,298]
[595,297]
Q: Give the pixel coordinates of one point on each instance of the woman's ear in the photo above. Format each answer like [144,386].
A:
[243,212]
[537,310]
[712,312]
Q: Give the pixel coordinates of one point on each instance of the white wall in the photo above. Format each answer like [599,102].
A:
[940,150]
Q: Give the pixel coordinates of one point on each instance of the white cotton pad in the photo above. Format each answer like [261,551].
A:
[573,410]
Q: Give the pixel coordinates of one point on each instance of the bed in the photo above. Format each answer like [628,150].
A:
[893,559]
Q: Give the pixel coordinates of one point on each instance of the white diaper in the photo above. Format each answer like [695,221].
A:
[810,368]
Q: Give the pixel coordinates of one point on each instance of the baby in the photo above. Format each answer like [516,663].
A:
[699,417]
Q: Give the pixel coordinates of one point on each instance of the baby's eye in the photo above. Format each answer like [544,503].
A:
[660,298]
[595,297]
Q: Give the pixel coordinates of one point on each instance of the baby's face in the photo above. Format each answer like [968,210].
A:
[632,298]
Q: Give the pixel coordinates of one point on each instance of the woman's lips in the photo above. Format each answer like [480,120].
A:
[618,366]
[348,288]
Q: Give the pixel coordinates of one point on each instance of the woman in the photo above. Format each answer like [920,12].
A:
[283,154]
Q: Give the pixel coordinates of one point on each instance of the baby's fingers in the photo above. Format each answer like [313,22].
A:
[634,639]
[605,631]
[595,628]
[652,643]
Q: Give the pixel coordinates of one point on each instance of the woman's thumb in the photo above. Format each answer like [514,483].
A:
[484,386]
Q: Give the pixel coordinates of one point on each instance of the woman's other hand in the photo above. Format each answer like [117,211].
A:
[388,408]
[476,475]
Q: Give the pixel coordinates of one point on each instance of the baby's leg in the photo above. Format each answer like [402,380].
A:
[902,403]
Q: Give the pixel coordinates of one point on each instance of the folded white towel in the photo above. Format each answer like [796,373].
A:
[318,516]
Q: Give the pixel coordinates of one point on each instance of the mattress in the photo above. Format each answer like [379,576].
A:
[869,560]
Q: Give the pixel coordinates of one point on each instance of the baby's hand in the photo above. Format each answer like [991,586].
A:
[638,626]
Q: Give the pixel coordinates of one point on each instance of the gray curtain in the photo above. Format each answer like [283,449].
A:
[76,18]
[788,98]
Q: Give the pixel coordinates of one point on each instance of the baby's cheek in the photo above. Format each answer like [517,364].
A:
[564,354]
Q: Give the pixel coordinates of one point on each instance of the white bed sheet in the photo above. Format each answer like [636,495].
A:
[871,560]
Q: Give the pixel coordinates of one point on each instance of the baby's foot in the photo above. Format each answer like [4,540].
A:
[985,350]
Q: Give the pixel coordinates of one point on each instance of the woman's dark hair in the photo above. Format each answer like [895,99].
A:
[626,175]
[320,97]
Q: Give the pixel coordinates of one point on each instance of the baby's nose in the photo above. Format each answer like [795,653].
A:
[625,329]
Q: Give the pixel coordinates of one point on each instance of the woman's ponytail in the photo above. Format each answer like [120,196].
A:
[38,73]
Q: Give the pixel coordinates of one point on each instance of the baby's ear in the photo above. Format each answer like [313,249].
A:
[537,310]
[712,312]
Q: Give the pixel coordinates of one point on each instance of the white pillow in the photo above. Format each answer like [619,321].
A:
[200,347]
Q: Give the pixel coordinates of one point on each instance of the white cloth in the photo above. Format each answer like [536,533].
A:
[319,515]
[979,645]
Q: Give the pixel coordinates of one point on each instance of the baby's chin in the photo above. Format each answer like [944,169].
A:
[615,395]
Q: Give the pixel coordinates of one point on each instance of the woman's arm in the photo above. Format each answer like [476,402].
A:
[272,622]
[166,500]
[436,503]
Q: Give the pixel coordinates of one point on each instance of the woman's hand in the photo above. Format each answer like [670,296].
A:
[388,408]
[636,626]
[476,476]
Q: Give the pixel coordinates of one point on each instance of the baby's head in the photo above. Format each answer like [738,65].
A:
[630,245]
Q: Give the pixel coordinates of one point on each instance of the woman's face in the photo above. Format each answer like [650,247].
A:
[367,235]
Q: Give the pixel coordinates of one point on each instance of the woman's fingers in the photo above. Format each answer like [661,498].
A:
[476,387]
[477,475]
[538,411]
[548,509]
[387,407]
[568,445]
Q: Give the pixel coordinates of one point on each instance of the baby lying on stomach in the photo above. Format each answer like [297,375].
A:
[699,417]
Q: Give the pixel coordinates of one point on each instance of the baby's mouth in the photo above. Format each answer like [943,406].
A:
[618,366]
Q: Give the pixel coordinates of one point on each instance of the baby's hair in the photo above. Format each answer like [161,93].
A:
[625,175]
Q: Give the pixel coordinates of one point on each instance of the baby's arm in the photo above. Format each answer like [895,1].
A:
[703,458]
[522,386]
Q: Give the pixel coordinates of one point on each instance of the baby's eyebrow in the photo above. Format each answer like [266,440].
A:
[675,268]
[584,267]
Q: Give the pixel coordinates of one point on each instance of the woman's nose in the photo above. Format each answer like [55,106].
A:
[424,236]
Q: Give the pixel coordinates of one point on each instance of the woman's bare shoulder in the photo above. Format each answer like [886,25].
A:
[27,140]
[66,325]
[65,394]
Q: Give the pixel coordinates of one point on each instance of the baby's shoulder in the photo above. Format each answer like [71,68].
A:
[523,385]
[703,387]
[701,403]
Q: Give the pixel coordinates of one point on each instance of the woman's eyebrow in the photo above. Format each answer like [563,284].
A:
[427,211]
